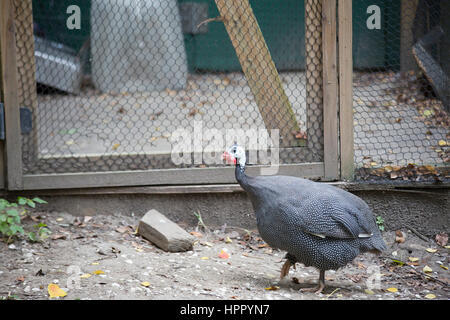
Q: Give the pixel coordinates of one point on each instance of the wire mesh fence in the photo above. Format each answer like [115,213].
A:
[119,83]
[401,90]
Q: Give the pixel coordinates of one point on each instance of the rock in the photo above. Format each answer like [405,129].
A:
[164,233]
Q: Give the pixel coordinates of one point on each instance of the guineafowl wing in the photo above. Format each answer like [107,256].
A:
[326,216]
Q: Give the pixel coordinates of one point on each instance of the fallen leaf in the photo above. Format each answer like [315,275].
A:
[122,229]
[21,279]
[145,283]
[58,236]
[272,288]
[196,234]
[87,219]
[59,219]
[442,239]
[442,143]
[431,250]
[223,255]
[55,291]
[443,267]
[204,258]
[368,291]
[85,276]
[98,272]
[430,296]
[95,263]
[392,289]
[228,240]
[413,259]
[206,243]
[115,146]
[427,269]
[399,236]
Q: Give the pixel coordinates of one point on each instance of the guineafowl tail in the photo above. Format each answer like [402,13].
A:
[374,245]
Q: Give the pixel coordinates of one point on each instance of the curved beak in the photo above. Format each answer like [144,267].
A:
[228,158]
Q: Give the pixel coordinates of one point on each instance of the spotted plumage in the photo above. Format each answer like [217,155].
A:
[317,224]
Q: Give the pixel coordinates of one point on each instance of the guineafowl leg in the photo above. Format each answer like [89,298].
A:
[287,265]
[320,286]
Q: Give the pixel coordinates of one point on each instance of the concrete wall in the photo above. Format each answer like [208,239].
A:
[427,211]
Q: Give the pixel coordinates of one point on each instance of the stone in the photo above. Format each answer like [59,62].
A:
[164,233]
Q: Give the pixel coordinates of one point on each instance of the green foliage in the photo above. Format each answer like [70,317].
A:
[10,218]
[380,223]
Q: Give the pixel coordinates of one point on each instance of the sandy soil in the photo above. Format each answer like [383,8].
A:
[77,248]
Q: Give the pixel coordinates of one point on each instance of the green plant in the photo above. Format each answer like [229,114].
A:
[200,222]
[380,223]
[10,217]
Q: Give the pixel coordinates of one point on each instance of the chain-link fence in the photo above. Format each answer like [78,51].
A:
[401,89]
[118,82]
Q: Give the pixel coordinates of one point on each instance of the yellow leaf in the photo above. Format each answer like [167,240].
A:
[413,259]
[427,269]
[272,288]
[392,289]
[443,267]
[228,240]
[145,283]
[447,247]
[95,263]
[430,250]
[430,296]
[115,146]
[86,275]
[55,291]
[442,143]
[373,163]
[204,258]
[98,272]
[368,291]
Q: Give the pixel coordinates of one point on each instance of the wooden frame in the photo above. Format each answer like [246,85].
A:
[13,145]
[158,177]
[330,90]
[346,138]
[327,170]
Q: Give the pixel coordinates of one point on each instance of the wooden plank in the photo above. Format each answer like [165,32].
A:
[13,145]
[177,176]
[408,12]
[330,90]
[259,69]
[26,72]
[346,89]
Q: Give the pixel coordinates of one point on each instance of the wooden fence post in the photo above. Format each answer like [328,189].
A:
[346,89]
[13,145]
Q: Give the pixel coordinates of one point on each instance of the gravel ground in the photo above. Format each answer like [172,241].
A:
[101,257]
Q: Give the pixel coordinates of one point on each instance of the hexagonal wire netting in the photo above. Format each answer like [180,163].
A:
[401,89]
[114,86]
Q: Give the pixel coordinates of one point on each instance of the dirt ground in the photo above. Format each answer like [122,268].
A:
[101,257]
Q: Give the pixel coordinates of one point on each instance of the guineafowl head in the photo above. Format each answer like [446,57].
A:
[235,154]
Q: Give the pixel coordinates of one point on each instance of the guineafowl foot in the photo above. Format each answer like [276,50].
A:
[319,287]
[290,262]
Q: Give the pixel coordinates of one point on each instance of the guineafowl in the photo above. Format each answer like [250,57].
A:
[317,224]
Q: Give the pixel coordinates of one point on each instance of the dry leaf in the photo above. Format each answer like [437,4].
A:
[204,258]
[58,236]
[442,143]
[223,255]
[95,263]
[413,259]
[196,234]
[431,250]
[272,288]
[430,296]
[21,279]
[392,289]
[442,239]
[115,146]
[98,272]
[85,276]
[228,240]
[443,267]
[145,283]
[55,291]
[368,291]
[427,269]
